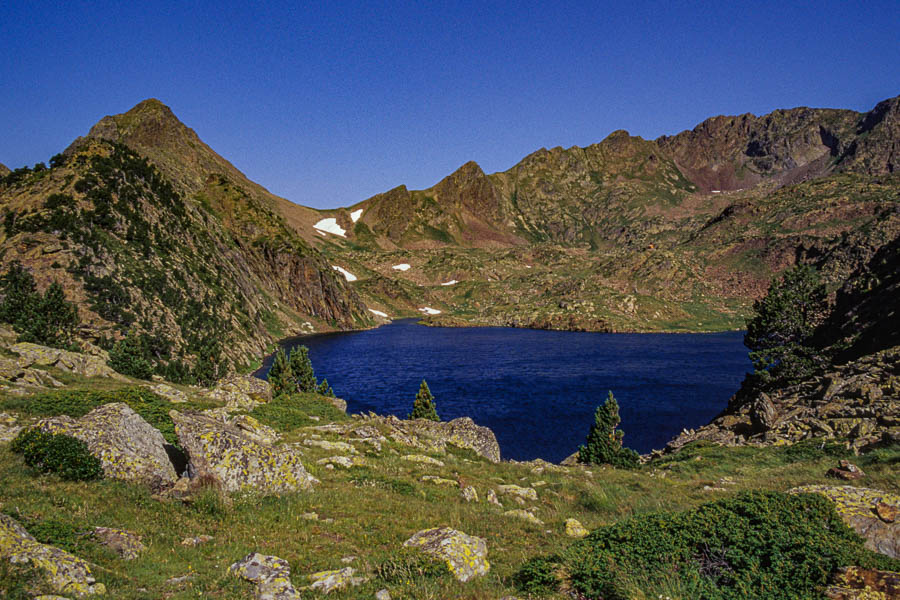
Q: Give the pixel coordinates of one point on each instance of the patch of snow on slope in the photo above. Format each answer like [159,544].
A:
[330,225]
[355,215]
[451,282]
[378,313]
[401,267]
[347,274]
[430,311]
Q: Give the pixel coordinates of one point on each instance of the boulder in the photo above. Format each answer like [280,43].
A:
[859,509]
[124,543]
[272,576]
[173,395]
[65,573]
[439,480]
[128,447]
[524,515]
[241,392]
[465,555]
[341,461]
[461,432]
[575,529]
[9,427]
[72,362]
[847,471]
[857,583]
[234,460]
[331,446]
[421,458]
[521,492]
[339,579]
[255,430]
[469,494]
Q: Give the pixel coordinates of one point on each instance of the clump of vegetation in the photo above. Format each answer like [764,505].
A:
[286,413]
[57,453]
[423,405]
[46,319]
[129,357]
[755,545]
[778,336]
[604,441]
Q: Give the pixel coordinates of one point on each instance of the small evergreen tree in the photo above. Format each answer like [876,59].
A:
[604,441]
[778,335]
[49,319]
[325,390]
[129,357]
[423,405]
[302,369]
[280,376]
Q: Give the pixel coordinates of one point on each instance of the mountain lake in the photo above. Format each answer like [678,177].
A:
[537,390]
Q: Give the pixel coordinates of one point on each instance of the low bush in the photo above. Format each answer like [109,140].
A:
[756,545]
[64,455]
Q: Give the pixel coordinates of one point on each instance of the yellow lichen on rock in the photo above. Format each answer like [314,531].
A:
[465,555]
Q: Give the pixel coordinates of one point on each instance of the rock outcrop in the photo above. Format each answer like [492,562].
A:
[859,509]
[128,447]
[856,401]
[465,555]
[856,583]
[65,573]
[242,392]
[234,460]
[126,544]
[85,365]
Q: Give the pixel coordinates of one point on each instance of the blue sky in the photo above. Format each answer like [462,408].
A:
[329,103]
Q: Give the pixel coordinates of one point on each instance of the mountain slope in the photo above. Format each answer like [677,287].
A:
[682,232]
[181,247]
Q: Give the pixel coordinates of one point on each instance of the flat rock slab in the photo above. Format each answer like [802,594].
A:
[237,461]
[128,447]
[65,573]
[465,555]
[859,509]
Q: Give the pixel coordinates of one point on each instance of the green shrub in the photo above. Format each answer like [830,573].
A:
[46,319]
[537,577]
[129,356]
[604,441]
[423,405]
[756,545]
[286,413]
[57,453]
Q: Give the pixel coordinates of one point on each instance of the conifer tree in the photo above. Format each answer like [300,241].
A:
[280,376]
[49,319]
[129,357]
[604,441]
[325,390]
[302,370]
[423,405]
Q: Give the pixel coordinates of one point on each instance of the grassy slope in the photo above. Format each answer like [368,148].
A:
[375,508]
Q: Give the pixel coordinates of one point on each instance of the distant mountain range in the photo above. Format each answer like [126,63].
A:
[149,229]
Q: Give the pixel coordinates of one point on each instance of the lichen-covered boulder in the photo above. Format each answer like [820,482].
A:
[461,432]
[469,494]
[242,392]
[73,362]
[331,446]
[272,576]
[516,490]
[255,430]
[575,529]
[465,555]
[128,447]
[421,458]
[338,579]
[525,515]
[65,573]
[126,544]
[9,427]
[235,460]
[859,508]
[173,395]
[856,583]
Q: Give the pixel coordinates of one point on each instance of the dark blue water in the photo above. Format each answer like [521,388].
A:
[537,390]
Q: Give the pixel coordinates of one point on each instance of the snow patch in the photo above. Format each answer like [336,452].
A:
[378,313]
[347,274]
[330,225]
[717,191]
[430,311]
[451,282]
[355,215]
[401,267]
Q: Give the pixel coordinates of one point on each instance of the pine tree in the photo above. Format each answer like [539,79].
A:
[49,319]
[604,441]
[280,376]
[302,370]
[325,390]
[129,357]
[423,405]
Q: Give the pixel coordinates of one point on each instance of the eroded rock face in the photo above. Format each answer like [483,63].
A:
[272,576]
[860,509]
[67,574]
[73,362]
[128,447]
[465,555]
[237,461]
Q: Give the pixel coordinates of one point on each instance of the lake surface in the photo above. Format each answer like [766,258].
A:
[537,390]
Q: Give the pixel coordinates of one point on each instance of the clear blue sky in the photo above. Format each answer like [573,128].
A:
[328,103]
